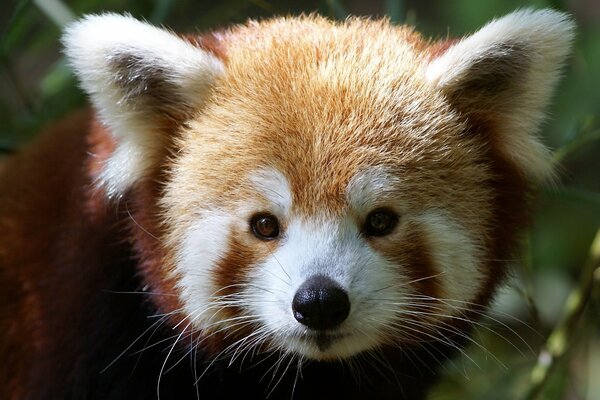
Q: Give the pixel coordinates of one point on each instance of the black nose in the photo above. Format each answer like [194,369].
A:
[320,303]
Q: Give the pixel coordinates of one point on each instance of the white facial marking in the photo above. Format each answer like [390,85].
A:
[455,255]
[273,186]
[369,189]
[205,243]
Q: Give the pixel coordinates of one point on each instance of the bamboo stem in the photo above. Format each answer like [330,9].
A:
[558,341]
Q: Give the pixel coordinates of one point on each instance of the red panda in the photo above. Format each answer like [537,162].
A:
[292,208]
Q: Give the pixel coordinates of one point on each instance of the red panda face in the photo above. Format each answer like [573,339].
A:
[333,188]
[378,198]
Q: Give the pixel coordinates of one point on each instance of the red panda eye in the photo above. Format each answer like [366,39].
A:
[380,222]
[265,226]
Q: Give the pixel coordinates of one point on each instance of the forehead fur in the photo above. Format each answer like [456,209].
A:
[321,101]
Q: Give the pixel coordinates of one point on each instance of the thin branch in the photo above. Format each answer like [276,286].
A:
[558,341]
[527,289]
[576,144]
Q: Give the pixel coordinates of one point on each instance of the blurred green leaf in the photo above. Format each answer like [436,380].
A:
[15,27]
[161,11]
[395,10]
[337,9]
[57,78]
[575,195]
[577,143]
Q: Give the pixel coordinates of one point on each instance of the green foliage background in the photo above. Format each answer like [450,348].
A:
[37,87]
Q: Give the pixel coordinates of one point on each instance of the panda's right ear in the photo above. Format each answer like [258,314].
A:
[504,74]
[140,78]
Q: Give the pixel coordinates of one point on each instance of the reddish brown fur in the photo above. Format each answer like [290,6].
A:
[320,123]
[144,222]
[438,48]
[512,207]
[213,42]
[42,296]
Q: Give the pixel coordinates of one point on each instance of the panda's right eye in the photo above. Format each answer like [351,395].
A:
[265,226]
[380,222]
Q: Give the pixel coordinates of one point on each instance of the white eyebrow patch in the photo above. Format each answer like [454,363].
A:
[274,187]
[369,187]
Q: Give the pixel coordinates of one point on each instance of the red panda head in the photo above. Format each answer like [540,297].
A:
[325,188]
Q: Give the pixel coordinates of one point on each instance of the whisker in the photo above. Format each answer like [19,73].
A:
[131,345]
[289,282]
[291,360]
[141,292]
[139,225]
[160,374]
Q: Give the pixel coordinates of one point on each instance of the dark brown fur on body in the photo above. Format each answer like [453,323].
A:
[49,240]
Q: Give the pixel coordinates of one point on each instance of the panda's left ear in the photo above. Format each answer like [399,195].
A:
[141,79]
[504,75]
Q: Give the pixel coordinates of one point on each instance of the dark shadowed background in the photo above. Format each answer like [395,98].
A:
[512,354]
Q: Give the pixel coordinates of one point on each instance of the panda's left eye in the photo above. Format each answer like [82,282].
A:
[265,226]
[380,222]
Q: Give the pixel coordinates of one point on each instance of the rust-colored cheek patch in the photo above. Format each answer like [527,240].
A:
[421,268]
[232,270]
[414,259]
[231,274]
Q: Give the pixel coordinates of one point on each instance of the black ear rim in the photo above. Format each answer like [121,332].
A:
[500,71]
[140,78]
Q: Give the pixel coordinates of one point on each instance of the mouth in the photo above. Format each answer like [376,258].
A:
[327,345]
[323,341]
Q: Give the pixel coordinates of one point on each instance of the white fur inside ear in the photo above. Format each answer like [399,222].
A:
[547,33]
[133,72]
[535,45]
